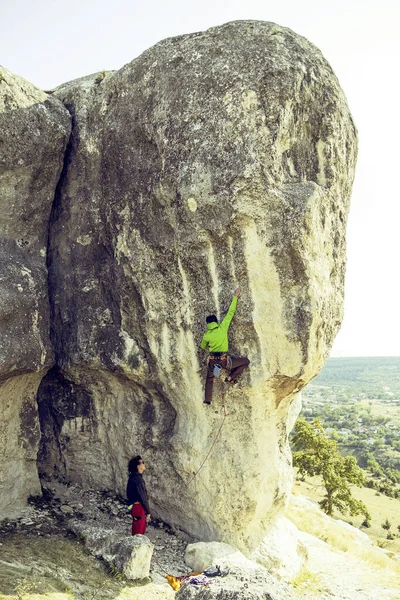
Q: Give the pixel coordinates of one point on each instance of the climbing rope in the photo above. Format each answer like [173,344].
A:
[172,580]
[158,565]
[215,439]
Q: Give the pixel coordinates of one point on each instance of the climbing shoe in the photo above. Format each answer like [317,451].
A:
[231,381]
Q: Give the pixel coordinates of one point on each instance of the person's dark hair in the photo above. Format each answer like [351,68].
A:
[133,464]
[211,319]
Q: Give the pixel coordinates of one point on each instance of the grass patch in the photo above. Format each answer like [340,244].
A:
[347,540]
[380,408]
[52,568]
[307,581]
[381,507]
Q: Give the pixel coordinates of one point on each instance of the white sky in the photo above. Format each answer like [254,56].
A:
[53,41]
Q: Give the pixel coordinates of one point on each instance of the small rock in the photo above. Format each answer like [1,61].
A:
[67,510]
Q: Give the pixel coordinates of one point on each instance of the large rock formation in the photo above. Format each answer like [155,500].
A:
[213,160]
[34,130]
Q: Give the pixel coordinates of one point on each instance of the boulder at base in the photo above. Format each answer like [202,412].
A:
[201,555]
[131,555]
[246,580]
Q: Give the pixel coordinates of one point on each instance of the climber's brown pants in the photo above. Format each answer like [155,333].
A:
[239,364]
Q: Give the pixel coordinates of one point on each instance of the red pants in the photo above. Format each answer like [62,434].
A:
[140,525]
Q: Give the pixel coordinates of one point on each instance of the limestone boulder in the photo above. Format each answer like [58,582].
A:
[131,555]
[246,580]
[201,555]
[213,160]
[243,578]
[34,130]
[282,552]
[232,589]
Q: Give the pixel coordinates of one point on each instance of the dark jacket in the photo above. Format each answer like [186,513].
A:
[136,491]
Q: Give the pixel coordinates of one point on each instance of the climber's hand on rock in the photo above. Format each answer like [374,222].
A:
[148,518]
[237,292]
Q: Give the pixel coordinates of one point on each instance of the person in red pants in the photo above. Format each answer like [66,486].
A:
[137,496]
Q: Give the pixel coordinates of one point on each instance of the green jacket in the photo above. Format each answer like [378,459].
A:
[216,336]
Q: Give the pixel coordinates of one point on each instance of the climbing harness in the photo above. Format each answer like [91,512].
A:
[134,517]
[219,358]
[218,361]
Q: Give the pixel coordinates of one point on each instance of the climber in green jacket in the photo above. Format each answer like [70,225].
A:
[216,340]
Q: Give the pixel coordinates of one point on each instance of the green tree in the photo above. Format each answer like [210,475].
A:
[367,521]
[375,468]
[386,524]
[393,475]
[316,454]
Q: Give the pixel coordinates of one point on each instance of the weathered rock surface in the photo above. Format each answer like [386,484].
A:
[282,551]
[34,129]
[213,160]
[38,549]
[230,589]
[344,561]
[201,555]
[245,581]
[131,555]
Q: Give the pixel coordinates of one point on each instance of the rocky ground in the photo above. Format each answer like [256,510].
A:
[41,559]
[39,552]
[340,575]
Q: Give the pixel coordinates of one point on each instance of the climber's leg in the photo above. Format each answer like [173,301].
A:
[239,364]
[209,383]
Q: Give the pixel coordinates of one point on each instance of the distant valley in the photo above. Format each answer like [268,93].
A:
[357,401]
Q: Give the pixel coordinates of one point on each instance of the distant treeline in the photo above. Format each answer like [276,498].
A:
[367,374]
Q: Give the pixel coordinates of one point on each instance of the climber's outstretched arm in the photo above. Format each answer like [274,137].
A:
[232,309]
